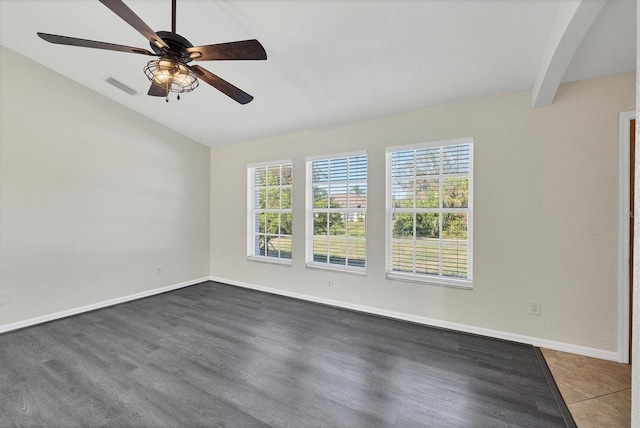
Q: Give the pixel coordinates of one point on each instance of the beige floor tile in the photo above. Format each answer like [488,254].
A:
[603,412]
[589,377]
[618,403]
[597,392]
[569,395]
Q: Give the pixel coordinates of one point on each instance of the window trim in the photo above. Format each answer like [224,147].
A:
[465,283]
[251,210]
[310,263]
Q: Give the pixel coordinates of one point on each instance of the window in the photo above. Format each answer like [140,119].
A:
[269,211]
[337,212]
[429,212]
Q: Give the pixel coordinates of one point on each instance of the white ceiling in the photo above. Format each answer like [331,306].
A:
[329,62]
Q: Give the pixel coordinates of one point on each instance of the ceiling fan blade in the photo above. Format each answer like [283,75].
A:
[157,90]
[222,85]
[245,49]
[123,11]
[72,41]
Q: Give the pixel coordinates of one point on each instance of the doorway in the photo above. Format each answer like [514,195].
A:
[632,174]
[625,216]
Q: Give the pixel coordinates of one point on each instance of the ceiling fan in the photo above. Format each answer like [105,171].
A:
[170,72]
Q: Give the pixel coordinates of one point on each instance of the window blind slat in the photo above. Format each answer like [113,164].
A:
[429,202]
[338,211]
[270,211]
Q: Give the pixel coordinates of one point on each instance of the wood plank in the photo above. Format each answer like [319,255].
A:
[217,354]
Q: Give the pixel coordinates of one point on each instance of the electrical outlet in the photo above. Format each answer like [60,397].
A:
[535,308]
[330,284]
[158,270]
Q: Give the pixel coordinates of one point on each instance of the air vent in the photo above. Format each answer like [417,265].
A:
[121,86]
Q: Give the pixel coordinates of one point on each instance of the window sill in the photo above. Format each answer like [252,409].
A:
[338,268]
[270,260]
[432,280]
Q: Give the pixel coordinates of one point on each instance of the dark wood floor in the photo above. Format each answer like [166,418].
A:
[218,355]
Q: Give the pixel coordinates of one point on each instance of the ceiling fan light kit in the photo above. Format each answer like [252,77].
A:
[171,72]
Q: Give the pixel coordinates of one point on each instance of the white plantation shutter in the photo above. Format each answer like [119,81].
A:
[269,211]
[336,212]
[429,208]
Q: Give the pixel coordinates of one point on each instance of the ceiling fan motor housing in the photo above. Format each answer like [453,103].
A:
[177,46]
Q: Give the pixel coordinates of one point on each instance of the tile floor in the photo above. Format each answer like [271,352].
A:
[597,392]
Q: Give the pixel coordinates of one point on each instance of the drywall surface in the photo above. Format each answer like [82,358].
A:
[93,197]
[545,223]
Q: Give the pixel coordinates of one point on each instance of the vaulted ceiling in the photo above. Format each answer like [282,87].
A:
[332,62]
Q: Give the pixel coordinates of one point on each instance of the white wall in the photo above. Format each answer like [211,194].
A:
[93,197]
[546,193]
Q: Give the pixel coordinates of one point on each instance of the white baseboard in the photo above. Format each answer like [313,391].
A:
[543,343]
[69,312]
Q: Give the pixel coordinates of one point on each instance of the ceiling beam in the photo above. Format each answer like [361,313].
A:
[572,23]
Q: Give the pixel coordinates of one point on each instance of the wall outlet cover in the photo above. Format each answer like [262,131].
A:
[535,308]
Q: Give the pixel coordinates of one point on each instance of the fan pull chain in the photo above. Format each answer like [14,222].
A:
[178,97]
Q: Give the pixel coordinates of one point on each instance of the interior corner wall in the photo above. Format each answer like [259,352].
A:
[93,197]
[545,222]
